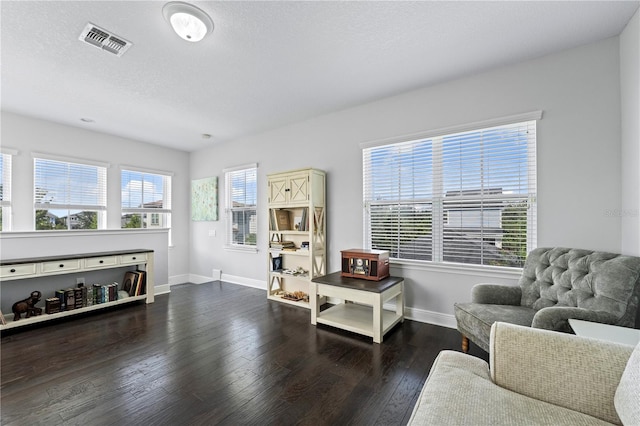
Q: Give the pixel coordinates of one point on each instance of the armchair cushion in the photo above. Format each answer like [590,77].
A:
[475,319]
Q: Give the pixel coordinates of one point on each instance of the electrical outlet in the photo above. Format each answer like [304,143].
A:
[212,232]
[80,280]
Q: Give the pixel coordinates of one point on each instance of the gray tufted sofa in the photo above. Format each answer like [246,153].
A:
[556,284]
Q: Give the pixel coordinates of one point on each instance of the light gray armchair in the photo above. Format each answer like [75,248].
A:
[556,284]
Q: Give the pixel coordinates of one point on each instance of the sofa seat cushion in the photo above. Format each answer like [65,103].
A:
[475,319]
[459,391]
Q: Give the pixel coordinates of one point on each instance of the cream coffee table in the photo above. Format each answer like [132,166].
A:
[365,315]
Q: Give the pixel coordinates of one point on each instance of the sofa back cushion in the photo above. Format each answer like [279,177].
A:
[593,280]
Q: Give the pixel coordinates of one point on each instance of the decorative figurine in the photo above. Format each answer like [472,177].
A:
[27,305]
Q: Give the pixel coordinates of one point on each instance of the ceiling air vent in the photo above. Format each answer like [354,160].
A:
[104,40]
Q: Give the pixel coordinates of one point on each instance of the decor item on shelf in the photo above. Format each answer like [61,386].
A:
[204,199]
[27,306]
[189,22]
[366,264]
[276,263]
[52,305]
[2,320]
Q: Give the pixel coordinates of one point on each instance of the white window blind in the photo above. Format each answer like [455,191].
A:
[468,197]
[146,199]
[5,192]
[241,204]
[69,195]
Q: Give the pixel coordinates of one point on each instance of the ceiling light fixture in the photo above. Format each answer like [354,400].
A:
[189,22]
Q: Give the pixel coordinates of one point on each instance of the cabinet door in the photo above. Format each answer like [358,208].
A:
[299,188]
[278,190]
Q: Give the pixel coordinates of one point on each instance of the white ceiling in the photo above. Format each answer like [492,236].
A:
[266,64]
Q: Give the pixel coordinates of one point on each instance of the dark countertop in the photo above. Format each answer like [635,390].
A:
[358,284]
[4,262]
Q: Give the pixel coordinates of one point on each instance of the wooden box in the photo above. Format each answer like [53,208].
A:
[366,264]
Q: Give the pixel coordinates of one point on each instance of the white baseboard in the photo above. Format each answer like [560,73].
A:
[198,279]
[179,279]
[161,289]
[422,315]
[248,282]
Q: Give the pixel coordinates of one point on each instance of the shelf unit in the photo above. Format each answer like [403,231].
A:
[42,267]
[296,215]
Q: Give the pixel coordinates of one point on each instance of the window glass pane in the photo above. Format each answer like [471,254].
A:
[143,190]
[69,195]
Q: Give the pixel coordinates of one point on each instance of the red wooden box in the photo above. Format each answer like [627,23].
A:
[365,264]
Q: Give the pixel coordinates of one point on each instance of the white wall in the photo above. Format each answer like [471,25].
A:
[579,156]
[630,98]
[29,135]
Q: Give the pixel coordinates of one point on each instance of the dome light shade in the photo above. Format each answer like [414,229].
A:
[189,22]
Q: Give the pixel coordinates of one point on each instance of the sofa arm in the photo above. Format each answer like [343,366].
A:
[496,294]
[557,317]
[570,371]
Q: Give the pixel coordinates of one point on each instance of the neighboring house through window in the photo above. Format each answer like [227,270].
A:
[146,199]
[466,196]
[69,194]
[241,203]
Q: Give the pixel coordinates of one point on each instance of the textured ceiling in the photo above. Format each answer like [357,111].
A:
[266,64]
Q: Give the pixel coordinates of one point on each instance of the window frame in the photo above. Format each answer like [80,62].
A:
[100,208]
[438,196]
[230,243]
[6,182]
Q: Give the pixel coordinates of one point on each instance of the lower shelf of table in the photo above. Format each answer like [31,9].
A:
[300,303]
[48,317]
[357,318]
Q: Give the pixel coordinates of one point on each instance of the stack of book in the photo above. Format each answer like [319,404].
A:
[282,245]
[134,283]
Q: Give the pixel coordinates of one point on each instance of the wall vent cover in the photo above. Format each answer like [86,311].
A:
[103,39]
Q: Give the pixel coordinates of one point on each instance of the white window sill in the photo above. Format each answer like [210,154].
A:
[242,249]
[458,269]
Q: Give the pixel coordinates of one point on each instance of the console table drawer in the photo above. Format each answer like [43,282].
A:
[17,270]
[100,262]
[61,266]
[134,258]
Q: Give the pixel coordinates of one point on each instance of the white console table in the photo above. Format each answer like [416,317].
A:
[26,268]
[612,333]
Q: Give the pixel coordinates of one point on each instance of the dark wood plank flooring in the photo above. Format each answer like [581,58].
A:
[213,353]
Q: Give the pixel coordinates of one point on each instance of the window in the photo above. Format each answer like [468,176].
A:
[241,203]
[5,191]
[146,199]
[69,195]
[466,197]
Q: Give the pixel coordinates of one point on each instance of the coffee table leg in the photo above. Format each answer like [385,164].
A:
[377,319]
[313,301]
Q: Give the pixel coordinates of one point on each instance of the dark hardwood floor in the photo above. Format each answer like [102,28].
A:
[213,353]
